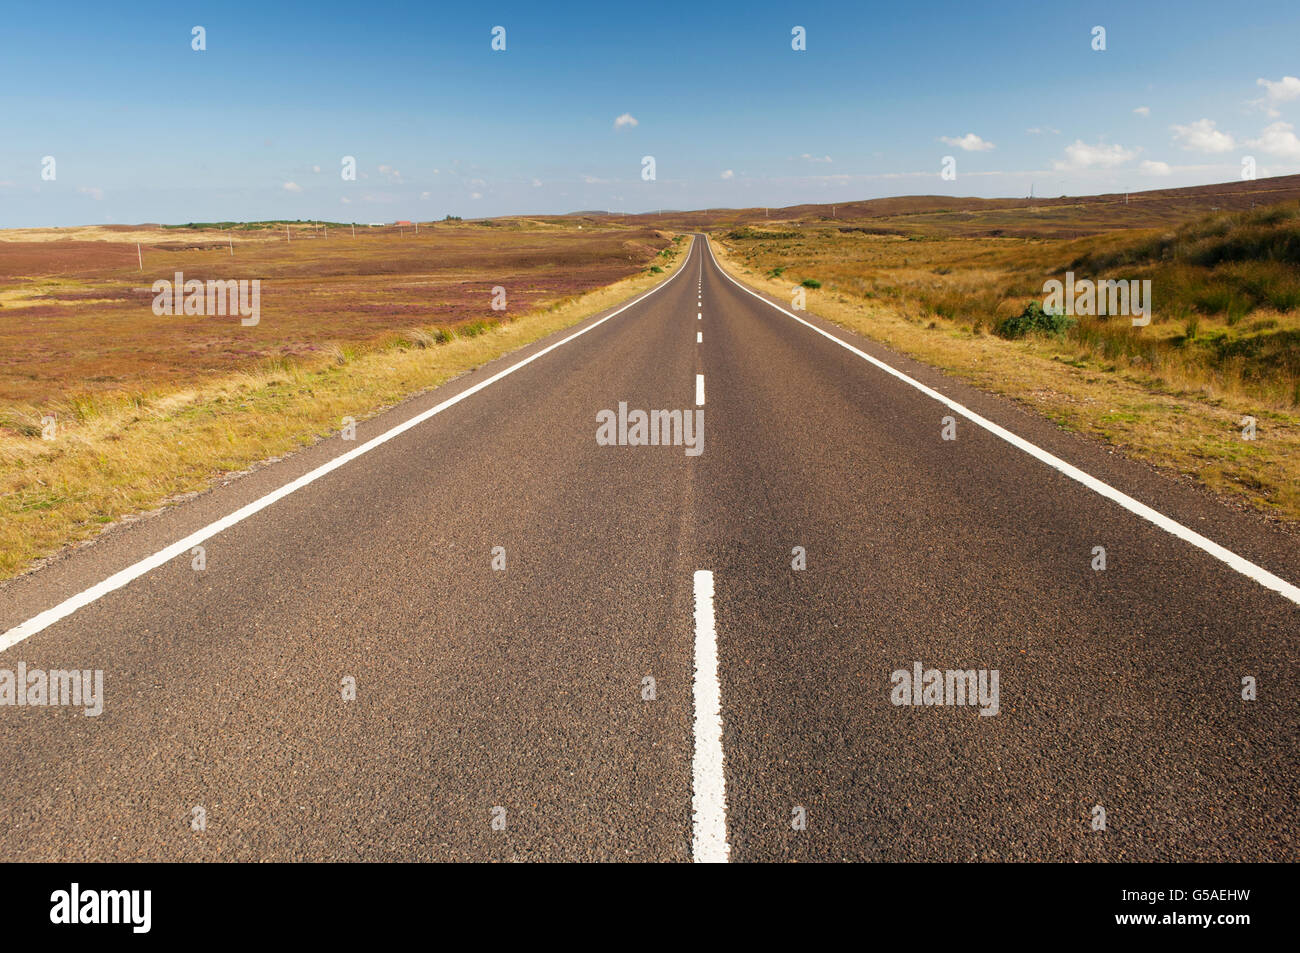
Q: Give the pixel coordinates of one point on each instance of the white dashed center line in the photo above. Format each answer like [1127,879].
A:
[699,390]
[709,788]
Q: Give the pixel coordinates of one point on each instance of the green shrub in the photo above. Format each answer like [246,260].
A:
[1035,319]
[811,283]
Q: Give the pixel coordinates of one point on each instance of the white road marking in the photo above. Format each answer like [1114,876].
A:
[699,316]
[709,784]
[1174,528]
[699,390]
[699,337]
[119,579]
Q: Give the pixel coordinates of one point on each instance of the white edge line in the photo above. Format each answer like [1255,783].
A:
[121,578]
[708,782]
[1174,528]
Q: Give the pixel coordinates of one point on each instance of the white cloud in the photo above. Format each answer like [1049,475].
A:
[1278,139]
[537,183]
[391,174]
[728,174]
[1143,111]
[1039,130]
[425,195]
[94,192]
[626,121]
[345,200]
[812,158]
[476,195]
[1201,136]
[969,142]
[1151,167]
[292,187]
[1080,155]
[1275,93]
[315,168]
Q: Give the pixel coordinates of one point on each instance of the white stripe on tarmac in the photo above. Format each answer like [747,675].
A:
[1174,528]
[699,390]
[709,785]
[119,579]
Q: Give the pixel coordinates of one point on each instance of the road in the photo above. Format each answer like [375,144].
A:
[649,677]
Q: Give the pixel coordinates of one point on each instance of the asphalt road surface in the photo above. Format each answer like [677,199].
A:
[650,677]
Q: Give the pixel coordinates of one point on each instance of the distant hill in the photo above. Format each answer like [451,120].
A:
[1062,217]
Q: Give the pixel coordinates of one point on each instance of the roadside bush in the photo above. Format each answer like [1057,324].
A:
[811,283]
[1035,319]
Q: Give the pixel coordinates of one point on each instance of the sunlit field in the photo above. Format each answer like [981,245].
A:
[108,409]
[1222,345]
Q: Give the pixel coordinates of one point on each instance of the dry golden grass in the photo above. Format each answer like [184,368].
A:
[117,455]
[145,234]
[1178,418]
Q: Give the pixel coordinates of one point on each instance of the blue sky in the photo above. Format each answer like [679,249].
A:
[143,128]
